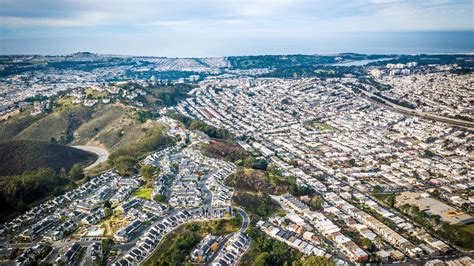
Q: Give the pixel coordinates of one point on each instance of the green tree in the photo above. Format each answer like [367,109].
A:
[159,198]
[262,259]
[106,244]
[147,171]
[76,172]
[249,161]
[367,243]
[317,261]
[125,165]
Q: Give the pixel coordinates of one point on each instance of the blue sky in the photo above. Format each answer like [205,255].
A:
[232,27]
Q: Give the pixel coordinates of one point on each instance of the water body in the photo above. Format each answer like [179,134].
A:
[196,45]
[361,62]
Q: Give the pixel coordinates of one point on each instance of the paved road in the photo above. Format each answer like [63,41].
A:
[245,220]
[448,120]
[102,154]
[243,228]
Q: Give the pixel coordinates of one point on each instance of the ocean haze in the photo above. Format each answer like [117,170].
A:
[192,46]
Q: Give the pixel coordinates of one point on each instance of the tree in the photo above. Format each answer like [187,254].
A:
[147,171]
[262,259]
[378,189]
[106,244]
[107,204]
[368,245]
[294,163]
[76,172]
[249,161]
[125,165]
[317,260]
[316,203]
[352,162]
[159,198]
[63,173]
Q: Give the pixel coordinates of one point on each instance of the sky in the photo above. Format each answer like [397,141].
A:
[187,28]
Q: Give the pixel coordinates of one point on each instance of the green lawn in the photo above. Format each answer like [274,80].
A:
[324,127]
[469,228]
[144,193]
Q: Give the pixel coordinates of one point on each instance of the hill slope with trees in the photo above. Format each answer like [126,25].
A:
[18,156]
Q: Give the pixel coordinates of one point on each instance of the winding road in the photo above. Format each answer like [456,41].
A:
[102,154]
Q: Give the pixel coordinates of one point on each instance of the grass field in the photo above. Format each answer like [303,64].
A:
[144,193]
[95,93]
[469,228]
[58,124]
[65,101]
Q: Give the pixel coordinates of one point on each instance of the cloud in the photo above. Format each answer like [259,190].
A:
[218,23]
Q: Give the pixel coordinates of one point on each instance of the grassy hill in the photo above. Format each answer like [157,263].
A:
[113,127]
[110,126]
[59,124]
[14,125]
[17,156]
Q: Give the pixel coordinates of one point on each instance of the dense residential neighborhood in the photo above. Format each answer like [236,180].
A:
[221,164]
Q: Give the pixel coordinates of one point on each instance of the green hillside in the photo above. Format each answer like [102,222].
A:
[109,126]
[17,156]
[59,125]
[14,125]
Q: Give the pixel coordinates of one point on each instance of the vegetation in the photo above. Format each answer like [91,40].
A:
[77,172]
[17,156]
[259,181]
[175,248]
[287,61]
[106,245]
[229,151]
[59,124]
[159,198]
[167,95]
[144,193]
[266,251]
[14,125]
[458,234]
[147,171]
[18,191]
[256,203]
[125,159]
[193,124]
[326,71]
[225,150]
[387,198]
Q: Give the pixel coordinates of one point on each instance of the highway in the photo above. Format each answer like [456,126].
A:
[429,116]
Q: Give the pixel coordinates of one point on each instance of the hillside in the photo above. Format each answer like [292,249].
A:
[108,126]
[112,127]
[14,125]
[17,156]
[59,124]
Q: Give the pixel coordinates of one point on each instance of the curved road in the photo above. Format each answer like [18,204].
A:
[102,154]
[245,224]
